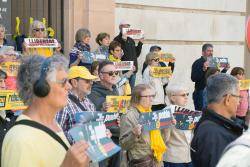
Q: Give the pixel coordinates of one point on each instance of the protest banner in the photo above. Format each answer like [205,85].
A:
[9,100]
[219,62]
[124,65]
[166,57]
[186,119]
[160,72]
[108,118]
[156,119]
[41,43]
[118,103]
[94,133]
[133,33]
[244,84]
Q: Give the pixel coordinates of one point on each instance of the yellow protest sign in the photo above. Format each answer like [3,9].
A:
[9,100]
[118,103]
[11,68]
[245,84]
[160,72]
[166,57]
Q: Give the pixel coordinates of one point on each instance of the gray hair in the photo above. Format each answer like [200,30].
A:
[30,71]
[219,85]
[34,25]
[82,33]
[173,90]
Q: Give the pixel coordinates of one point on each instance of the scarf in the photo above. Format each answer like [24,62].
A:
[156,142]
[113,59]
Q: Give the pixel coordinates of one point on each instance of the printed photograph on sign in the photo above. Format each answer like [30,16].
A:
[124,65]
[133,33]
[86,57]
[156,119]
[186,119]
[94,133]
[41,42]
[118,103]
[220,62]
[160,72]
[244,84]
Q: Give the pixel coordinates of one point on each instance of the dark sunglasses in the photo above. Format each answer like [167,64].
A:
[111,73]
[39,29]
[183,95]
[157,59]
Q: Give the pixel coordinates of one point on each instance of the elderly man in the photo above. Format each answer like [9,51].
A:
[81,81]
[36,139]
[131,52]
[106,86]
[218,125]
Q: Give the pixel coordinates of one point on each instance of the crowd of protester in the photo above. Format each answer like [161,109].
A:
[56,87]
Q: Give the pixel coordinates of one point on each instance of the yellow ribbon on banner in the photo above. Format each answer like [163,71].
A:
[160,72]
[9,100]
[118,103]
[245,84]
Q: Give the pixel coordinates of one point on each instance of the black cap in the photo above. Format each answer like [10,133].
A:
[152,48]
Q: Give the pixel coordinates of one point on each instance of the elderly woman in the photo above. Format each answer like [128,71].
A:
[38,30]
[82,39]
[3,40]
[36,139]
[103,40]
[152,59]
[144,148]
[177,141]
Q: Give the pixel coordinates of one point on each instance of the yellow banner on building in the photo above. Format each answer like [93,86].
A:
[118,103]
[11,68]
[9,100]
[245,84]
[166,57]
[161,72]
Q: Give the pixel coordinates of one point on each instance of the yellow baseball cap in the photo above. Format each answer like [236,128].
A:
[80,72]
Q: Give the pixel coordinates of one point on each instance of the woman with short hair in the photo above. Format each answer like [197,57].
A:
[103,40]
[144,148]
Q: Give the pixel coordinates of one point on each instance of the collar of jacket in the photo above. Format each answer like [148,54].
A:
[232,124]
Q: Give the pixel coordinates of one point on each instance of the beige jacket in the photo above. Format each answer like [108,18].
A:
[178,145]
[137,147]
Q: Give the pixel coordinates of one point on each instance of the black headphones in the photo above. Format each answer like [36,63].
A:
[41,87]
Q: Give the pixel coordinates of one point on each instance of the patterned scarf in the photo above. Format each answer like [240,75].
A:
[156,142]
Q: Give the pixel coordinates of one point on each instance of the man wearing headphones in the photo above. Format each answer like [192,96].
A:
[36,139]
[81,81]
[218,125]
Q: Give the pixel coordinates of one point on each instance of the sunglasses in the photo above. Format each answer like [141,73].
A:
[157,59]
[111,73]
[148,96]
[39,29]
[183,95]
[62,82]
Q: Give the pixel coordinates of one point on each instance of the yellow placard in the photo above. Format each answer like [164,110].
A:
[9,100]
[245,84]
[11,68]
[118,103]
[160,72]
[166,57]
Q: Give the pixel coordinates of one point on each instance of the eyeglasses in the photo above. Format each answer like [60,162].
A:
[237,96]
[62,82]
[86,80]
[111,73]
[148,96]
[183,95]
[157,59]
[39,29]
